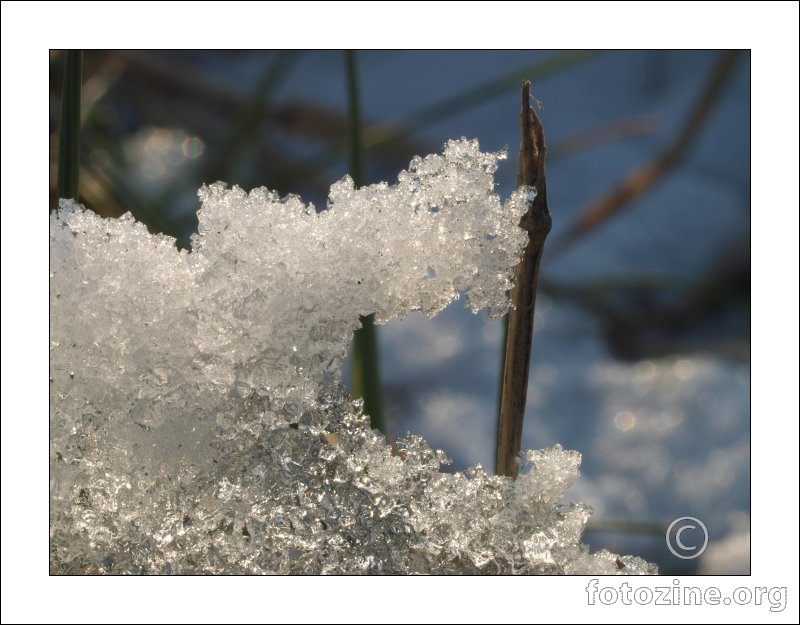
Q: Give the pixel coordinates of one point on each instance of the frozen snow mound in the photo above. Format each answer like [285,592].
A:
[198,419]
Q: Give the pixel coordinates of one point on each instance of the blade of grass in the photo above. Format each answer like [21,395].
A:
[247,121]
[242,117]
[366,376]
[69,133]
[477,95]
[241,130]
[377,135]
[624,526]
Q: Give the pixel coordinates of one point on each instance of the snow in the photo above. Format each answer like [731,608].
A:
[198,419]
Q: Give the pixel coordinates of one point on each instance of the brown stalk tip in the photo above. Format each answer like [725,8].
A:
[537,222]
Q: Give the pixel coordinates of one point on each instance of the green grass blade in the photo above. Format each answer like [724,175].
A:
[242,131]
[69,134]
[354,135]
[475,96]
[366,376]
[386,131]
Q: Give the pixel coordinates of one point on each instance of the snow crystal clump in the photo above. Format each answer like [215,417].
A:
[198,419]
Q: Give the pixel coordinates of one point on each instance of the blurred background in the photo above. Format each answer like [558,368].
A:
[641,346]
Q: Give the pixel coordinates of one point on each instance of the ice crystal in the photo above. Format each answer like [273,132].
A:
[198,420]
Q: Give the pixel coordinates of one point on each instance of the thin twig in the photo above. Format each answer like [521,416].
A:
[640,180]
[617,130]
[537,222]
